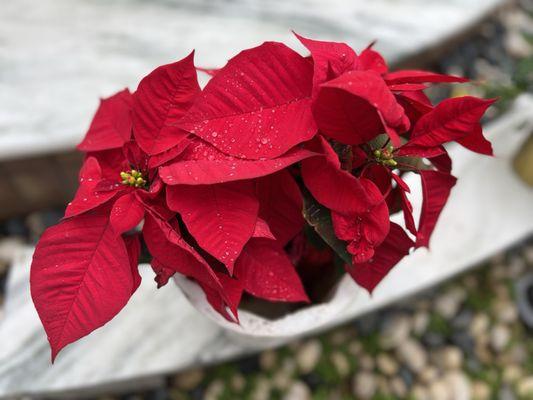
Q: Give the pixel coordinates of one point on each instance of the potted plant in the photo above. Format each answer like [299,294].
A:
[265,193]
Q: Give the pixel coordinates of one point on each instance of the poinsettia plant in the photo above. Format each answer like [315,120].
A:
[239,185]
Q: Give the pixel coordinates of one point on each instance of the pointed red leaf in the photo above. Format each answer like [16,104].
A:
[281,205]
[225,305]
[160,101]
[173,254]
[436,188]
[477,142]
[267,272]
[258,105]
[220,217]
[330,59]
[442,162]
[111,125]
[88,195]
[416,76]
[370,59]
[387,255]
[451,120]
[80,278]
[335,188]
[356,107]
[204,164]
[127,213]
[262,230]
[407,208]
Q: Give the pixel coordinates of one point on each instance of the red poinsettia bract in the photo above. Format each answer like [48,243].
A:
[216,183]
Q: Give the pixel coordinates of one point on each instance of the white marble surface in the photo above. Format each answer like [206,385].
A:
[57,57]
[159,331]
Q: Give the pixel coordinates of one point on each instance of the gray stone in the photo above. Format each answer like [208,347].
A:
[525,387]
[395,331]
[386,364]
[499,337]
[459,385]
[412,354]
[524,301]
[298,391]
[308,355]
[364,385]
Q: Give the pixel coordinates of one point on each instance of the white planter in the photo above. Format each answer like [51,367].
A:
[254,328]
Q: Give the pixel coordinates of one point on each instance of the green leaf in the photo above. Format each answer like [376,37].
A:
[319,217]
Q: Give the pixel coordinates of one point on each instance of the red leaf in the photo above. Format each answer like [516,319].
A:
[371,60]
[160,101]
[330,59]
[127,213]
[333,187]
[281,205]
[133,246]
[356,107]
[267,272]
[262,230]
[387,255]
[88,195]
[407,208]
[220,217]
[204,164]
[451,120]
[442,162]
[111,125]
[477,142]
[415,76]
[436,188]
[80,278]
[168,155]
[171,252]
[233,292]
[258,105]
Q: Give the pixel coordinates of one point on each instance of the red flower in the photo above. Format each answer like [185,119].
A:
[214,181]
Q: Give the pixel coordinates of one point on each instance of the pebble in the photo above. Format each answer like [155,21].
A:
[511,374]
[448,304]
[268,360]
[517,45]
[499,337]
[419,392]
[505,312]
[480,324]
[364,385]
[459,385]
[355,348]
[439,390]
[449,358]
[395,331]
[308,355]
[433,339]
[386,364]
[366,362]
[261,390]
[412,354]
[189,379]
[523,287]
[341,363]
[398,387]
[238,382]
[428,374]
[462,320]
[420,322]
[298,391]
[480,390]
[214,390]
[506,393]
[525,387]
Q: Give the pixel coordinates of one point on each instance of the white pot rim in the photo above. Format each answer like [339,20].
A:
[303,321]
